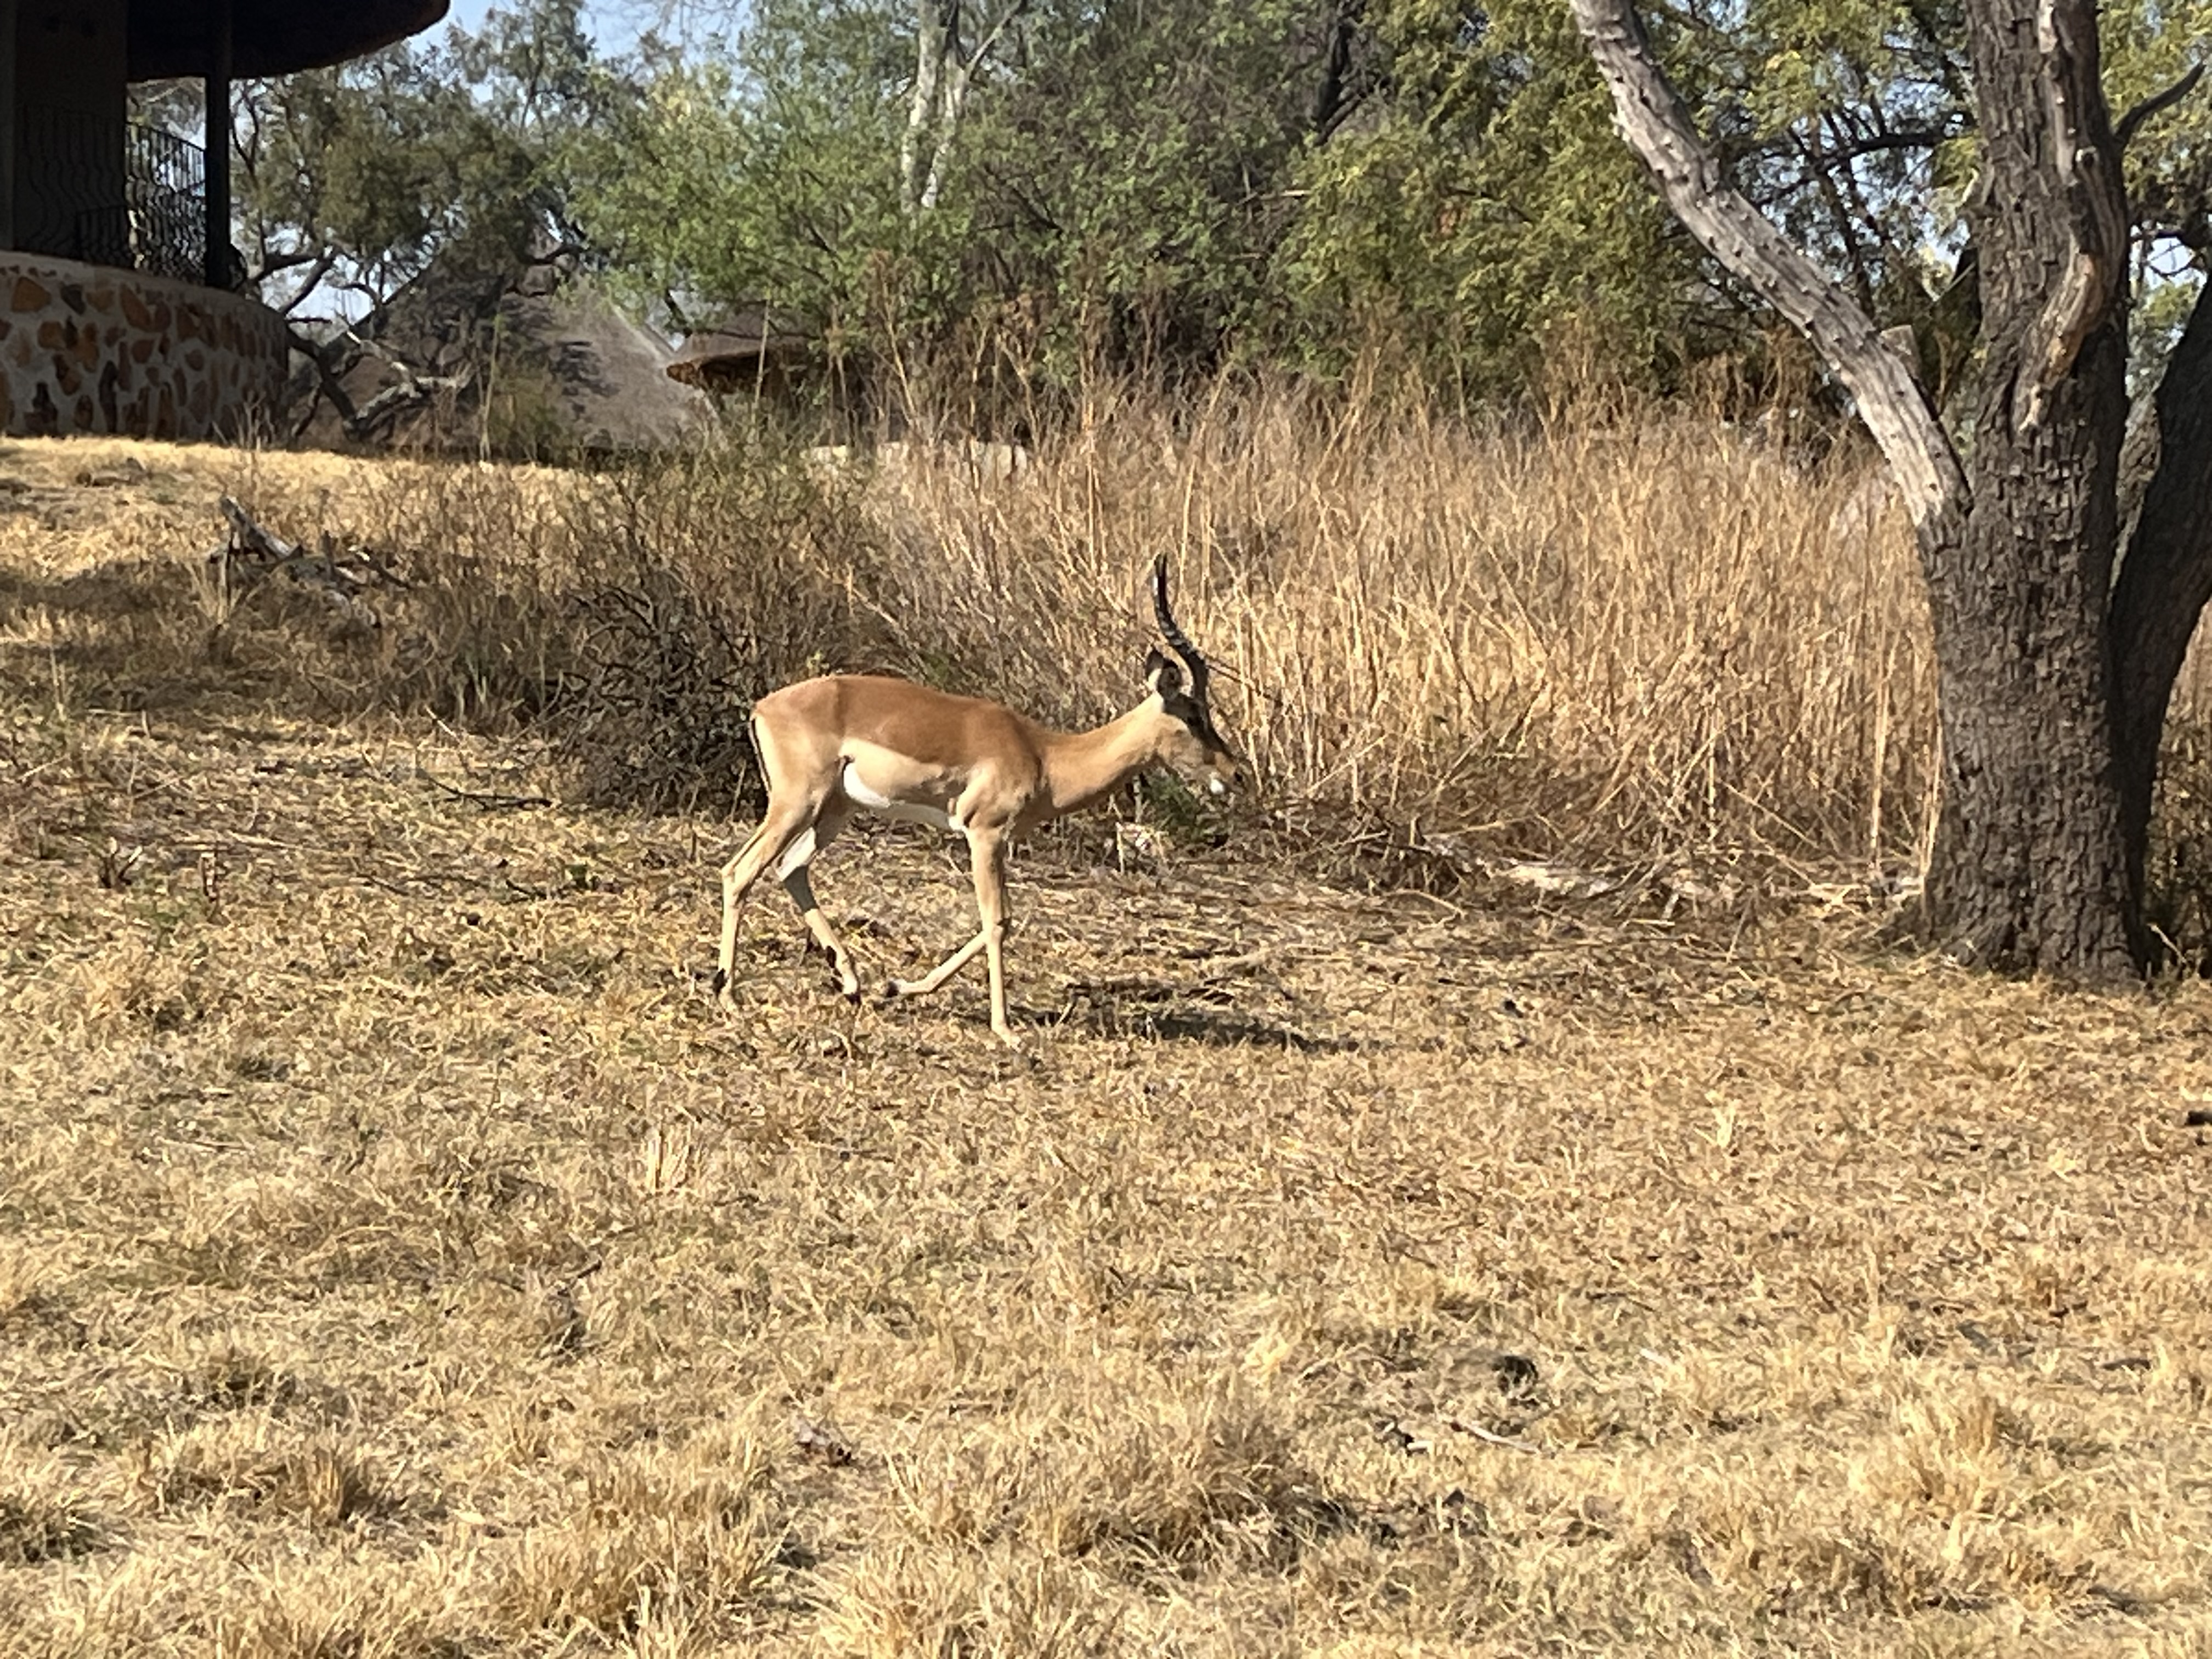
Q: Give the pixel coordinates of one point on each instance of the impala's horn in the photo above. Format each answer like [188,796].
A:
[1194,664]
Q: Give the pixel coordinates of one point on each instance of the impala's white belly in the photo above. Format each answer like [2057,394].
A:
[858,792]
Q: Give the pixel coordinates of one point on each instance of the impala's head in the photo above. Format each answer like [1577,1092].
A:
[1191,742]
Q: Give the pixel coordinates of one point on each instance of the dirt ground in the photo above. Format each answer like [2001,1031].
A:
[400,1254]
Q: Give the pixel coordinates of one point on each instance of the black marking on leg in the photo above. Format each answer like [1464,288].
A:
[720,981]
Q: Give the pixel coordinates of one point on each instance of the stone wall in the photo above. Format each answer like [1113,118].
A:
[86,348]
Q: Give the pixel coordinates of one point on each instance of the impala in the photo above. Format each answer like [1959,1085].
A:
[845,743]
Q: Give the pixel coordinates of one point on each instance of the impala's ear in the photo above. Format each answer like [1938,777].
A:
[1162,674]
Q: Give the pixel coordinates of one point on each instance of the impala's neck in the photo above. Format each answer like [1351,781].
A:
[1080,767]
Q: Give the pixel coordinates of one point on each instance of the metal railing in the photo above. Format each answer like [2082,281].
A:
[111,193]
[166,181]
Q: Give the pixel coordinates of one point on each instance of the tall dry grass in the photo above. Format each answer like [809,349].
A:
[1629,631]
[1622,633]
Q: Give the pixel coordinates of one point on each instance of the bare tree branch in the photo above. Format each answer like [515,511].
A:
[1816,163]
[929,48]
[1006,21]
[960,72]
[334,358]
[1651,116]
[409,391]
[2156,104]
[2086,159]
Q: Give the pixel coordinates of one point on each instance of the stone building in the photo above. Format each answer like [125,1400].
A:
[117,308]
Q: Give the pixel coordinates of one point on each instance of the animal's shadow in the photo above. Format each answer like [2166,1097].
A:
[1170,1013]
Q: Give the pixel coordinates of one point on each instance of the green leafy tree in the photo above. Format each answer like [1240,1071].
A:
[1116,184]
[352,184]
[1480,210]
[1169,186]
[771,173]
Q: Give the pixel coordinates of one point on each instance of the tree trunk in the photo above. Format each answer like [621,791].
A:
[2030,868]
[2165,582]
[932,38]
[2052,686]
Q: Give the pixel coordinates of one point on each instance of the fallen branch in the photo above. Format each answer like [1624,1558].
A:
[253,554]
[1492,1438]
[489,802]
[334,359]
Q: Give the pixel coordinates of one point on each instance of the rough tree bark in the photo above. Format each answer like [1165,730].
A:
[2053,681]
[2165,580]
[2029,869]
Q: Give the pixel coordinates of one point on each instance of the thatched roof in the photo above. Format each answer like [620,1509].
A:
[538,372]
[739,352]
[608,373]
[269,37]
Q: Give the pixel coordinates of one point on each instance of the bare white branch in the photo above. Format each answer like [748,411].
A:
[1652,118]
[958,72]
[930,45]
[2086,158]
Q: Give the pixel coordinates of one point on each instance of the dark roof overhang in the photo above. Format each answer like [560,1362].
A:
[269,37]
[729,356]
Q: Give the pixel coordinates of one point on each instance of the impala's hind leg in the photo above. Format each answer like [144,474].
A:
[785,823]
[792,870]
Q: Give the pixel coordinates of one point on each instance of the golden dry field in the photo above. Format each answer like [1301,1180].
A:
[401,1255]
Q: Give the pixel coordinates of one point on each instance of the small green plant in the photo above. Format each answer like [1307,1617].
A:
[1172,807]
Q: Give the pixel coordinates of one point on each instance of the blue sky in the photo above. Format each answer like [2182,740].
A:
[614,24]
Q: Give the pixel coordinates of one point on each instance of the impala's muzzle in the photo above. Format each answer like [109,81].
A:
[1217,763]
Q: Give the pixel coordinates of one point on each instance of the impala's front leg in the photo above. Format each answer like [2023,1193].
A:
[986,850]
[987,863]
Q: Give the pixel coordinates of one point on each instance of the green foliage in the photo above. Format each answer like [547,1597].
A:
[453,148]
[2146,49]
[1137,178]
[1161,187]
[1485,209]
[730,181]
[1120,192]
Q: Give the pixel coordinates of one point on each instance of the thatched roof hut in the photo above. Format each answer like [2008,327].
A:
[523,372]
[751,351]
[606,377]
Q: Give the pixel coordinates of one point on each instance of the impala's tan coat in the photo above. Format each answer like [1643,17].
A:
[850,743]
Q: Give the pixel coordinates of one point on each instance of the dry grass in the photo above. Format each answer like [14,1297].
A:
[1626,636]
[399,1255]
